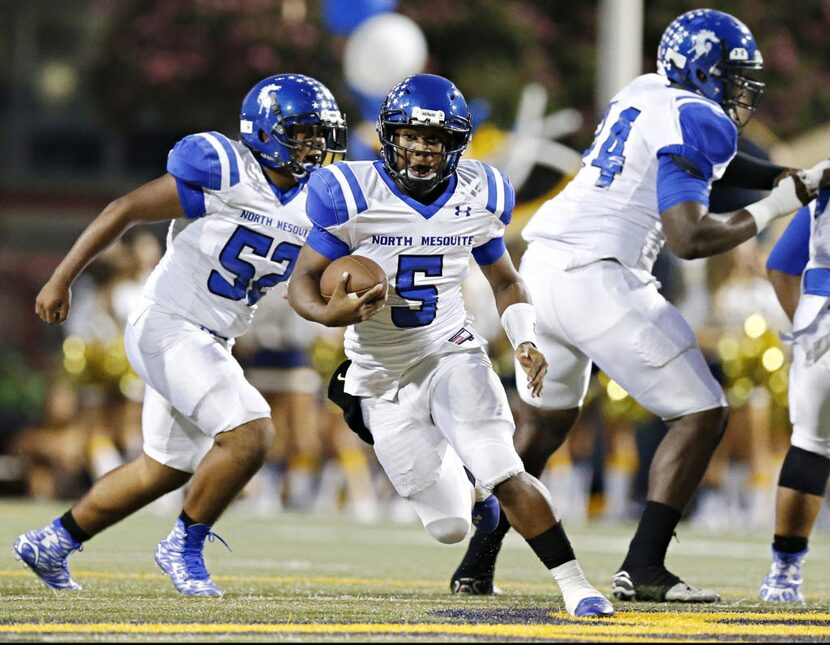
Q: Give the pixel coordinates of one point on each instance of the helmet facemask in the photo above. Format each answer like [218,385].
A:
[438,159]
[742,91]
[312,139]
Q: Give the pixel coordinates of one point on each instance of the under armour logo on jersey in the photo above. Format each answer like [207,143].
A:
[466,211]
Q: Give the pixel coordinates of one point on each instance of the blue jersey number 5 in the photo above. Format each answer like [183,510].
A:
[244,285]
[431,266]
[610,158]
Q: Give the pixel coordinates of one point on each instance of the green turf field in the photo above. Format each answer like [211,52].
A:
[311,578]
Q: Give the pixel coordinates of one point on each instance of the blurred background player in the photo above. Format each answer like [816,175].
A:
[317,463]
[799,268]
[275,355]
[426,390]
[238,211]
[645,180]
[737,488]
[56,450]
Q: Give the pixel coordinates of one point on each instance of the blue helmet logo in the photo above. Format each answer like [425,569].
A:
[424,100]
[715,55]
[277,109]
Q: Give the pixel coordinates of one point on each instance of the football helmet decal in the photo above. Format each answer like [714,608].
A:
[715,55]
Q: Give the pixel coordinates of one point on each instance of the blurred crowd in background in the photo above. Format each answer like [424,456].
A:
[94,93]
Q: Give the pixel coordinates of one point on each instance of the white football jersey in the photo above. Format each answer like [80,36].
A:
[242,235]
[804,249]
[610,209]
[817,273]
[356,207]
[815,283]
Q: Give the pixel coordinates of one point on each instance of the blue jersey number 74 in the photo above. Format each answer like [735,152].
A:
[610,158]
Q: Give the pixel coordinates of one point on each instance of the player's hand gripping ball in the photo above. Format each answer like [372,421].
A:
[363,275]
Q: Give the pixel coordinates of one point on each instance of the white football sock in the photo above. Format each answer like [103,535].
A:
[573,584]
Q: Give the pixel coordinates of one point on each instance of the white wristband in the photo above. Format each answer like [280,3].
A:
[519,322]
[812,176]
[781,201]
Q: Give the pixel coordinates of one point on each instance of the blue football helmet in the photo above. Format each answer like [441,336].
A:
[277,107]
[715,55]
[424,100]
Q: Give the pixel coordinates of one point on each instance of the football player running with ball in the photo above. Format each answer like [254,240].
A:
[421,385]
[238,211]
[645,180]
[799,269]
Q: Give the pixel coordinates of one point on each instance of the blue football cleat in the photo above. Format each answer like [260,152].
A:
[45,551]
[180,557]
[486,514]
[594,607]
[783,584]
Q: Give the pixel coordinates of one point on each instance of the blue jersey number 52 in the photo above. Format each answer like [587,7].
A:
[244,286]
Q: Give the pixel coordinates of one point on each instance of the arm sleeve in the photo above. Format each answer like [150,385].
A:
[326,243]
[195,161]
[747,171]
[195,165]
[501,198]
[685,171]
[489,252]
[326,205]
[677,183]
[709,139]
[792,251]
[327,211]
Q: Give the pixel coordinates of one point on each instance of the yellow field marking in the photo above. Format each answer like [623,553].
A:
[627,626]
[288,580]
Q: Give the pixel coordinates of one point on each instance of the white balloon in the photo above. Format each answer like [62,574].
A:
[383,51]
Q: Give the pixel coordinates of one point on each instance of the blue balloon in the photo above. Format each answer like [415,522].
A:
[360,150]
[480,111]
[342,16]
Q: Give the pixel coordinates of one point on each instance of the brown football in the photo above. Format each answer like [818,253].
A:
[363,275]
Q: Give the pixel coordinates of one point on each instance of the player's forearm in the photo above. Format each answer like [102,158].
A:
[304,297]
[155,201]
[746,171]
[508,287]
[717,233]
[510,293]
[693,232]
[103,231]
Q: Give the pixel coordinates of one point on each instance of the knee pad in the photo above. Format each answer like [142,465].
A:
[805,472]
[449,530]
